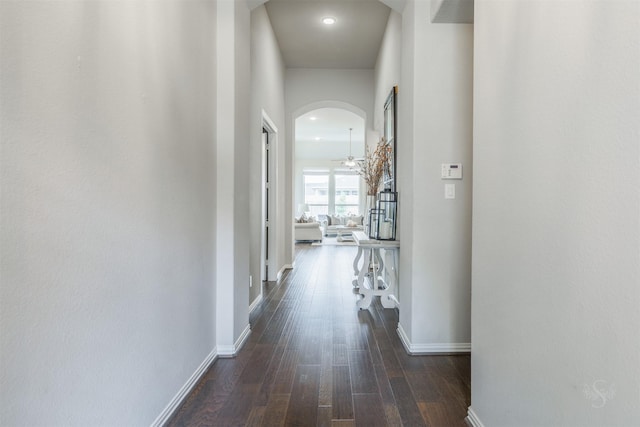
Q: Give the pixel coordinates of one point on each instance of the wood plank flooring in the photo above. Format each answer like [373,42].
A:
[314,359]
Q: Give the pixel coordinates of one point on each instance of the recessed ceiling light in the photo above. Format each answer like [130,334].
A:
[317,138]
[312,118]
[328,20]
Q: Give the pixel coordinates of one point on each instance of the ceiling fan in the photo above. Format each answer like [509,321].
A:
[350,161]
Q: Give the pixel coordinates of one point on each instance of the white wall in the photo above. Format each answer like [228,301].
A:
[242,235]
[435,116]
[387,70]
[556,213]
[404,173]
[267,92]
[315,88]
[232,191]
[107,241]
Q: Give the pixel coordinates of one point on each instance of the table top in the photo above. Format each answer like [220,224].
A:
[346,227]
[362,239]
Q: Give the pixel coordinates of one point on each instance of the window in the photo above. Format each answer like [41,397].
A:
[316,192]
[331,191]
[347,194]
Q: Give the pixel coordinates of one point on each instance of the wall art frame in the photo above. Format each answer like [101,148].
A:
[390,131]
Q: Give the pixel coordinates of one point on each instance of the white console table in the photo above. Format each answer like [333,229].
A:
[373,283]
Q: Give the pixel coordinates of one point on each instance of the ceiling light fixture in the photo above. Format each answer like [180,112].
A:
[328,20]
[312,118]
[350,162]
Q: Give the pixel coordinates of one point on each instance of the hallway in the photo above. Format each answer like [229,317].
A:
[314,359]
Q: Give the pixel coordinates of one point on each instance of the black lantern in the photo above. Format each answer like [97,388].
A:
[387,215]
[374,214]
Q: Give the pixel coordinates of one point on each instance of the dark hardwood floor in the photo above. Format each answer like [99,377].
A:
[314,359]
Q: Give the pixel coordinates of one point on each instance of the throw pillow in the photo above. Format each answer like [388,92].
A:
[357,219]
[351,223]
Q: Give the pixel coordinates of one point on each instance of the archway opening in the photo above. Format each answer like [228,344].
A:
[327,141]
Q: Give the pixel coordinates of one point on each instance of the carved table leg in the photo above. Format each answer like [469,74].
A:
[365,291]
[391,284]
[356,270]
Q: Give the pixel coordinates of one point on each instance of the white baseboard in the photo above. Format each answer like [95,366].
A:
[431,348]
[232,350]
[282,270]
[242,338]
[255,303]
[185,390]
[472,419]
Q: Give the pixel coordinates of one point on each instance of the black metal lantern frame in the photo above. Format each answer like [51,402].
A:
[387,215]
[374,214]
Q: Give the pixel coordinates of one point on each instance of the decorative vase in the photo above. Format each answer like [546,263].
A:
[370,203]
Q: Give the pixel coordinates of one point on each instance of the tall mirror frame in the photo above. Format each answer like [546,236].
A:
[390,120]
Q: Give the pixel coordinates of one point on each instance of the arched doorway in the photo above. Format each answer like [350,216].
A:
[326,135]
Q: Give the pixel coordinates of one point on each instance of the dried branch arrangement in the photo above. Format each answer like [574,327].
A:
[376,162]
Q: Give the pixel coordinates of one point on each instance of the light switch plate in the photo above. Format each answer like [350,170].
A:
[449,191]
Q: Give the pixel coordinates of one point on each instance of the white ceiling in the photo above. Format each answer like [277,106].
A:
[352,42]
[327,137]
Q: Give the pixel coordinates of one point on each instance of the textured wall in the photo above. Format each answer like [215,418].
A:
[106,207]
[556,216]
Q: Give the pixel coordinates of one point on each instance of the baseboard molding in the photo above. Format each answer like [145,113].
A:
[175,403]
[226,351]
[431,348]
[242,338]
[472,419]
[282,271]
[255,303]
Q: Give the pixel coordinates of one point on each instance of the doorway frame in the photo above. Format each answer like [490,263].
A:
[267,233]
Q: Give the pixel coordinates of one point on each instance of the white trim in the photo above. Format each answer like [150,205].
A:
[282,270]
[184,391]
[232,350]
[472,418]
[431,348]
[404,338]
[267,120]
[275,188]
[242,338]
[255,303]
[226,351]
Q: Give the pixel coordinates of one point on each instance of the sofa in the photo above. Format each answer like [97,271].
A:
[341,225]
[307,229]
